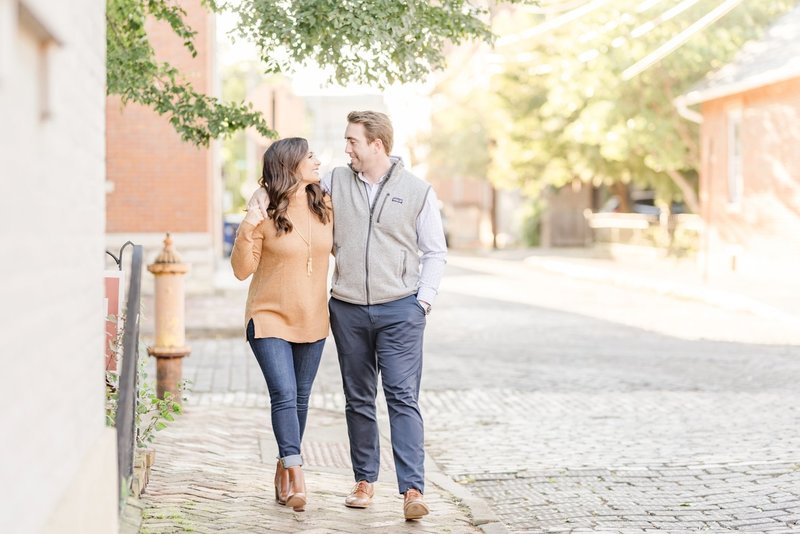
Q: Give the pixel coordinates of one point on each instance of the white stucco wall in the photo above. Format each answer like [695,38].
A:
[58,467]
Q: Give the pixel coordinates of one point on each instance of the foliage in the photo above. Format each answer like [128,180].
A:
[237,80]
[373,41]
[134,73]
[459,144]
[151,413]
[532,222]
[569,113]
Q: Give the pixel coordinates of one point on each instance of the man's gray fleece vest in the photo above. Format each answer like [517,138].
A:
[376,250]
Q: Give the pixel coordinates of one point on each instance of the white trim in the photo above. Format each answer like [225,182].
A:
[735,164]
[29,21]
[8,33]
[683,110]
[768,78]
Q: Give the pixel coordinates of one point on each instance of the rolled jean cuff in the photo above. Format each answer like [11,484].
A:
[292,461]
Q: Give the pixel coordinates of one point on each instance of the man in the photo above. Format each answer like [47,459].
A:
[382,290]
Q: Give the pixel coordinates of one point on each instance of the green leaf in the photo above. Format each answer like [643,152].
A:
[378,41]
[563,112]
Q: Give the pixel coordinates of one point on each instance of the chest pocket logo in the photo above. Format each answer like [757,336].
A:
[390,211]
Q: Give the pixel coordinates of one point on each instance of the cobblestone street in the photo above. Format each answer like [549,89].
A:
[567,405]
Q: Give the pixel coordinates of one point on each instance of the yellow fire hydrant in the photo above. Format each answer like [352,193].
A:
[170,345]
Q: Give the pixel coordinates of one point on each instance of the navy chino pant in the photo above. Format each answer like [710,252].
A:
[383,339]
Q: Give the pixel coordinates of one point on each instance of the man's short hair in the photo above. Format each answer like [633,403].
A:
[376,126]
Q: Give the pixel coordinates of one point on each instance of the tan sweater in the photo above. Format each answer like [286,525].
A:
[283,301]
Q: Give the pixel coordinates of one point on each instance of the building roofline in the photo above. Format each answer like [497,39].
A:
[768,78]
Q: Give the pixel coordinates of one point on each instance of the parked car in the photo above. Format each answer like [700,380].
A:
[230,224]
[643,202]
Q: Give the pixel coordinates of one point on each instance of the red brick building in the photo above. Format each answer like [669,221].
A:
[157,183]
[750,173]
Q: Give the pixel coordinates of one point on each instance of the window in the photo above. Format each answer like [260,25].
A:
[32,28]
[735,171]
[7,28]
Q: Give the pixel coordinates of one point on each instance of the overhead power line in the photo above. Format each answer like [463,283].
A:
[677,41]
[553,23]
[551,8]
[665,16]
[647,4]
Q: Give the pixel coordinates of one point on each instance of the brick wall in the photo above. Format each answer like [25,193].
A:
[762,232]
[157,182]
[59,463]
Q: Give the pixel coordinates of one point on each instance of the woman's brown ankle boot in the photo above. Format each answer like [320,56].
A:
[281,483]
[296,497]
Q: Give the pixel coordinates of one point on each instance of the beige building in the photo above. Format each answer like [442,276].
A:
[750,169]
[59,466]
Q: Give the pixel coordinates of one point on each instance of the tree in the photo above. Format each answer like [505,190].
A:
[377,41]
[569,113]
[237,81]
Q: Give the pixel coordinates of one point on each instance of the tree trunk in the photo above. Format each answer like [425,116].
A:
[621,191]
[689,196]
[494,217]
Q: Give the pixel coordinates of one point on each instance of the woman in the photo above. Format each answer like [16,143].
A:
[286,315]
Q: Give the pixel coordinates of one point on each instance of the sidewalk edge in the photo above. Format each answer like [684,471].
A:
[131,516]
[479,511]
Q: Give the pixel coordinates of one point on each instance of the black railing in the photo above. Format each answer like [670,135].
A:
[118,259]
[125,421]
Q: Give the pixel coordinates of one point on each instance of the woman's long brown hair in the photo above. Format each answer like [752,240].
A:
[279,177]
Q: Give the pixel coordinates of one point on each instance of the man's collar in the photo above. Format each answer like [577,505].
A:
[364,179]
[395,160]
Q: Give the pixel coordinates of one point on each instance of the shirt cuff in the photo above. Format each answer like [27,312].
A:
[427,294]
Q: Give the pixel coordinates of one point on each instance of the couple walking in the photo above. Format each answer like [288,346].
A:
[381,291]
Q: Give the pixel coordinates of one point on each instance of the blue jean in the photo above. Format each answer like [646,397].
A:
[383,339]
[289,369]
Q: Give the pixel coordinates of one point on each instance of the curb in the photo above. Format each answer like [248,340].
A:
[479,511]
[130,517]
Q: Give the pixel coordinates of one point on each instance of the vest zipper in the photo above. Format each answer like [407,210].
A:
[369,230]
[383,205]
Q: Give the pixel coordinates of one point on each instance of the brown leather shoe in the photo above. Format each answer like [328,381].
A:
[360,496]
[281,483]
[296,497]
[414,506]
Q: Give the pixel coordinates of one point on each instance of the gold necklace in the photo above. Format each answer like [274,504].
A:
[307,241]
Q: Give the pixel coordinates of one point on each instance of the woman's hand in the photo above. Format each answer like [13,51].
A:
[254,215]
[259,200]
[257,207]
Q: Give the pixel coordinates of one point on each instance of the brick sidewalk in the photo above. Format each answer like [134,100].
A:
[214,469]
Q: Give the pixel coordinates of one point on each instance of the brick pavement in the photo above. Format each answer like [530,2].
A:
[214,469]
[574,406]
[215,463]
